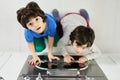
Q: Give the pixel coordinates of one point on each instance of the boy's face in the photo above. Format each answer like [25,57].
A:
[36,24]
[79,49]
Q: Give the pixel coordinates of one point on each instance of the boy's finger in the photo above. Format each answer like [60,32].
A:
[50,60]
[72,58]
[57,58]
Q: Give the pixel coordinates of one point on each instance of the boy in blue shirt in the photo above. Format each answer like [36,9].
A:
[38,25]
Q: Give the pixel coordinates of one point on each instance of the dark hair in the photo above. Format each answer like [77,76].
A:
[26,13]
[83,35]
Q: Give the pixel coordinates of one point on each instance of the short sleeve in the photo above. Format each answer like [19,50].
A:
[28,36]
[51,24]
[52,29]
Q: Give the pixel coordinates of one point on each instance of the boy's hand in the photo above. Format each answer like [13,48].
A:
[50,57]
[68,58]
[83,59]
[34,61]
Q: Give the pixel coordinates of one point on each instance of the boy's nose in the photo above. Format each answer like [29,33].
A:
[36,25]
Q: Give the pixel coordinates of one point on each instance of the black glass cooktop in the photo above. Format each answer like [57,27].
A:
[60,64]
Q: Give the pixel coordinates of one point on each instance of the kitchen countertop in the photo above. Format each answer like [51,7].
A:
[12,63]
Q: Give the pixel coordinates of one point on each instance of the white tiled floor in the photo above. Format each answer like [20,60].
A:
[11,64]
[110,64]
[115,59]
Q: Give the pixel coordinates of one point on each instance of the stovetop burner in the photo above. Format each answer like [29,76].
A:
[59,70]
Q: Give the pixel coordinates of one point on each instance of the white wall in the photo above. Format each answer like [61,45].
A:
[104,18]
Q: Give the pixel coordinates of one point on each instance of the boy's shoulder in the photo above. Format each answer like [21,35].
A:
[50,19]
[49,16]
[28,32]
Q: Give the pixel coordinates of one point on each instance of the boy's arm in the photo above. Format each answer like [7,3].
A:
[50,49]
[62,49]
[34,55]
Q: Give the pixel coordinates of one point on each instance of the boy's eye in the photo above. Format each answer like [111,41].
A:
[36,19]
[84,47]
[77,46]
[30,24]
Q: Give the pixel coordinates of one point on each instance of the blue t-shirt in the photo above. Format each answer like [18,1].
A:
[49,31]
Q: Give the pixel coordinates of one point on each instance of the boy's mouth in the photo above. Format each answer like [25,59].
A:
[38,28]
